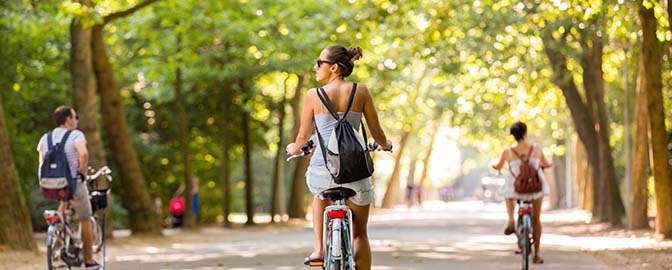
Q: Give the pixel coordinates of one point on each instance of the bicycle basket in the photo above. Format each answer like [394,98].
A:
[98,199]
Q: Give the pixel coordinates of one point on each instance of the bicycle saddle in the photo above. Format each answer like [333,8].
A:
[338,193]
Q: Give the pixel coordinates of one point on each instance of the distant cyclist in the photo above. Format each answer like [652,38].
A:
[334,64]
[538,160]
[78,157]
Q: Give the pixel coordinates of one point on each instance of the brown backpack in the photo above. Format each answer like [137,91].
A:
[527,181]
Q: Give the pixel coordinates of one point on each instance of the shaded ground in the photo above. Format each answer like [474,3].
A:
[457,235]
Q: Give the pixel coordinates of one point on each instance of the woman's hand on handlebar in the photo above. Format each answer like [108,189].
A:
[289,148]
[381,148]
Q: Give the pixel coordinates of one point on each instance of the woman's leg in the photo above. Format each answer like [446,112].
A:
[510,228]
[318,214]
[362,248]
[536,204]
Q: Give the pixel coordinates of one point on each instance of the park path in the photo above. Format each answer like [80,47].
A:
[455,235]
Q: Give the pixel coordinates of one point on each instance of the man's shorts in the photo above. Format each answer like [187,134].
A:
[319,179]
[80,201]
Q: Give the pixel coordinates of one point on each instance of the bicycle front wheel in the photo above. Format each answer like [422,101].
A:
[336,265]
[99,240]
[525,249]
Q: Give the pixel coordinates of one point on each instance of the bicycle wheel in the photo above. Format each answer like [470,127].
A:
[525,249]
[99,240]
[336,265]
[348,256]
[54,243]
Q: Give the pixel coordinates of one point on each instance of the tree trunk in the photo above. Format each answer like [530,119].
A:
[84,89]
[189,220]
[427,162]
[658,135]
[393,185]
[142,217]
[428,154]
[17,230]
[610,203]
[85,98]
[278,191]
[297,201]
[226,170]
[560,177]
[584,175]
[585,123]
[639,197]
[247,153]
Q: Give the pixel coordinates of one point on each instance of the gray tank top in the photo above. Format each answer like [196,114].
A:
[325,124]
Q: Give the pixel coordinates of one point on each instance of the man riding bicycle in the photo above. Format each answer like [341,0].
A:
[78,157]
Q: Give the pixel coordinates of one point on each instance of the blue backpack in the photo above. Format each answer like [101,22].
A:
[56,182]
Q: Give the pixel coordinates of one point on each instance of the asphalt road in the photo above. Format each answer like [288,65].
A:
[458,235]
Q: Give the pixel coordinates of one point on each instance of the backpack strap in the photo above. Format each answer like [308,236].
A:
[50,141]
[322,94]
[529,155]
[65,137]
[521,157]
[366,142]
[351,100]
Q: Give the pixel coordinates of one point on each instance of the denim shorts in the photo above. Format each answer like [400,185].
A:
[318,179]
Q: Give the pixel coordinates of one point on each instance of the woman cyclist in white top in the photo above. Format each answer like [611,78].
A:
[538,160]
[333,66]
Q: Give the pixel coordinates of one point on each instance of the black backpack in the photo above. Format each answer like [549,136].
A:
[345,155]
[56,182]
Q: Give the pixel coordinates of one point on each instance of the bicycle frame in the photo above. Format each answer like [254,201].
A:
[60,230]
[64,244]
[337,222]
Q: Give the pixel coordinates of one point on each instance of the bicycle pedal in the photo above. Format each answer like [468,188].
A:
[315,264]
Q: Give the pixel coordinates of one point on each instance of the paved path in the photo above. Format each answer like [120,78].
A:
[458,235]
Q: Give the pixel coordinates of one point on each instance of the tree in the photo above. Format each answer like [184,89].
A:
[18,233]
[278,190]
[297,208]
[658,135]
[143,218]
[188,219]
[589,116]
[638,216]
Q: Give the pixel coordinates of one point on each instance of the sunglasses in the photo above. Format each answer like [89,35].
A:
[320,62]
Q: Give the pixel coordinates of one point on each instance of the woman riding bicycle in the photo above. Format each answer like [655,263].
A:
[538,160]
[334,64]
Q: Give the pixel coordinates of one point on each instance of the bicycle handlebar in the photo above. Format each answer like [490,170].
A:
[309,147]
[102,171]
[305,150]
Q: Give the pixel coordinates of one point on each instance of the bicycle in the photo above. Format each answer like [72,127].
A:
[337,236]
[524,231]
[64,243]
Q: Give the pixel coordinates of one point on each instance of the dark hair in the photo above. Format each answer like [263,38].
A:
[518,130]
[344,58]
[61,114]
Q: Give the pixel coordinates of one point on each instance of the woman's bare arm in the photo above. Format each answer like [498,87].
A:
[543,160]
[501,162]
[306,127]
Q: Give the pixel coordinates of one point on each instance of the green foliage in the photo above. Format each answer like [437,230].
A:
[475,65]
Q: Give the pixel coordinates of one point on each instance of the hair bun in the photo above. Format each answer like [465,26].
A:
[354,53]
